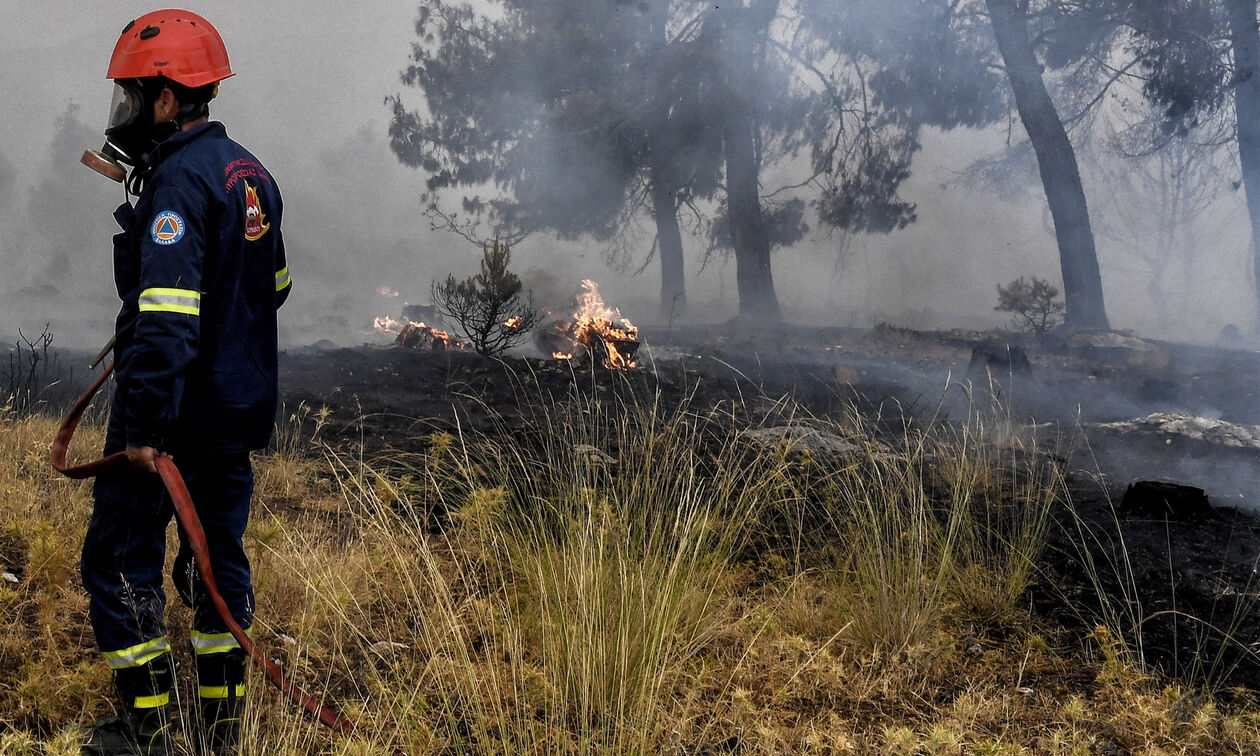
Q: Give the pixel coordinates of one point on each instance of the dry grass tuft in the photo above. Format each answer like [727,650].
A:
[628,580]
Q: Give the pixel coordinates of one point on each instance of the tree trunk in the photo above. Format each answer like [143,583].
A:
[743,36]
[669,239]
[1246,42]
[1060,175]
[663,176]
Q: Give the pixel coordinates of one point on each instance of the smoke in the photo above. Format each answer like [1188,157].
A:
[309,101]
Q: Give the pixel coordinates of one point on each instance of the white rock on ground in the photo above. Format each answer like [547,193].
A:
[1206,429]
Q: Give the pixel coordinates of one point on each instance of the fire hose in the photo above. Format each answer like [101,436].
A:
[188,519]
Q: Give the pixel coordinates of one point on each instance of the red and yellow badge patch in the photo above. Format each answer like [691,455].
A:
[255,221]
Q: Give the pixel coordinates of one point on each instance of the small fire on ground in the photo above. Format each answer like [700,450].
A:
[596,330]
[602,330]
[414,335]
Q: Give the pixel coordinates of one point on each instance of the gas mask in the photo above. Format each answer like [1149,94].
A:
[130,134]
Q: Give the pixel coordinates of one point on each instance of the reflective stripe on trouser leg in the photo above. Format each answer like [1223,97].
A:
[215,643]
[148,685]
[137,655]
[151,702]
[219,692]
[123,555]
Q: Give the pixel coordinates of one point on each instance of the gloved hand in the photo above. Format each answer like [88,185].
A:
[143,458]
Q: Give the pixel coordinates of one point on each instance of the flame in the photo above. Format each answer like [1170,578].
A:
[514,321]
[602,329]
[413,334]
[386,291]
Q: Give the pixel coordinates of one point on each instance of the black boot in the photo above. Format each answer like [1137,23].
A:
[221,686]
[146,695]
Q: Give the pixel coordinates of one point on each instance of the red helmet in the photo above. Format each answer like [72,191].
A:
[177,44]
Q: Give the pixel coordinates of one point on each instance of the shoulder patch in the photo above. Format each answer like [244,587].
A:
[255,220]
[167,228]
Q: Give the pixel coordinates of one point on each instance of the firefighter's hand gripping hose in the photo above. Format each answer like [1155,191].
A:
[197,540]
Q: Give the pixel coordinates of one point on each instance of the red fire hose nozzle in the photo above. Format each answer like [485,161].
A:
[188,519]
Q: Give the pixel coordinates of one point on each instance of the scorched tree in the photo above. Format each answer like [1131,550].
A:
[1200,61]
[491,308]
[579,114]
[571,114]
[952,63]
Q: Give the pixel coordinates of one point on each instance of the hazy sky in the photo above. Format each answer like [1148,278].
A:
[304,71]
[308,100]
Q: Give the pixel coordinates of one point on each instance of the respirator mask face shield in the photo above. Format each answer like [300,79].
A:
[125,108]
[129,132]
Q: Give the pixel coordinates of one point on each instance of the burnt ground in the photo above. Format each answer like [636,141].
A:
[1185,580]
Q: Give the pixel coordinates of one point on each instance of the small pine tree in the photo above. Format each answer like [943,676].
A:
[488,308]
[1034,303]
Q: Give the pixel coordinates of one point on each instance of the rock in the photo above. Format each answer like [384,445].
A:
[1132,350]
[1207,429]
[800,438]
[9,577]
[593,455]
[1109,340]
[1159,499]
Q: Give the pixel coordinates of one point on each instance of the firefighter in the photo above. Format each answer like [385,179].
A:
[200,268]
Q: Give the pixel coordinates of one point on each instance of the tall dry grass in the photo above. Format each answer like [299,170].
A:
[619,577]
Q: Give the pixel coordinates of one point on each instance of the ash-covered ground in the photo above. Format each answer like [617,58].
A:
[1111,409]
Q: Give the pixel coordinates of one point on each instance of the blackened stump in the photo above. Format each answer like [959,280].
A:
[998,359]
[1172,500]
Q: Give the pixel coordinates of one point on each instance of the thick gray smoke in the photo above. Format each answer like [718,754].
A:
[308,100]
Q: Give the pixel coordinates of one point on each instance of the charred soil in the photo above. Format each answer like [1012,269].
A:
[1186,586]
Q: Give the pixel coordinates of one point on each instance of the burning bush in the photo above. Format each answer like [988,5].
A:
[596,329]
[488,307]
[416,335]
[1034,303]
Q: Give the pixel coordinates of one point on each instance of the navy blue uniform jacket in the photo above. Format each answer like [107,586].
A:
[201,271]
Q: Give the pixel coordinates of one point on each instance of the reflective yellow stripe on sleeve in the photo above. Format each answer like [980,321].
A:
[137,655]
[214,643]
[183,301]
[282,278]
[219,691]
